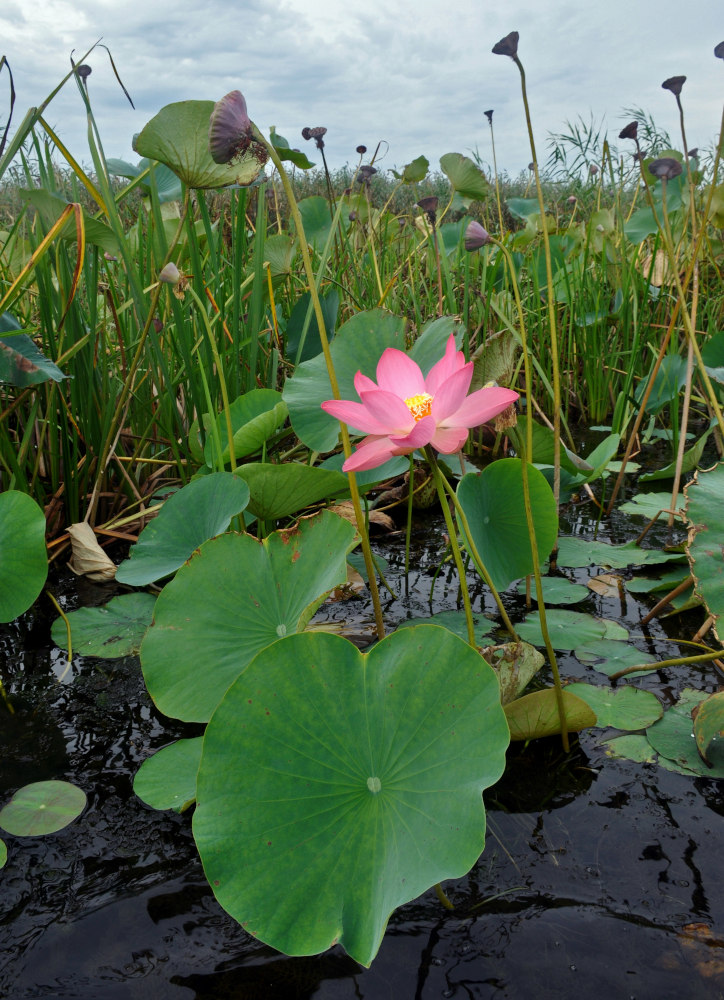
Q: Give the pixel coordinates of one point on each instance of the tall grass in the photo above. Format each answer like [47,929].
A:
[146,362]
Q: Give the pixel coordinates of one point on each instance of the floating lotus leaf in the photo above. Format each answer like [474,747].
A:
[611,655]
[568,629]
[116,629]
[673,737]
[23,556]
[3,853]
[41,808]
[625,707]
[167,780]
[556,590]
[456,623]
[192,515]
[235,596]
[335,786]
[574,552]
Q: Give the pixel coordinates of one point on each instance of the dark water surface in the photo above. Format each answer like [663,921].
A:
[598,874]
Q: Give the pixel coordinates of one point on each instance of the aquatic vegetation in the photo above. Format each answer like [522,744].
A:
[179,360]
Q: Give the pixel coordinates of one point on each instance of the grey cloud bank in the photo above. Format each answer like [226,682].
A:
[417,76]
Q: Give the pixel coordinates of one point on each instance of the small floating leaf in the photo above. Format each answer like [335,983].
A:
[167,780]
[673,737]
[625,707]
[117,629]
[41,808]
[557,590]
[611,655]
[568,629]
[574,552]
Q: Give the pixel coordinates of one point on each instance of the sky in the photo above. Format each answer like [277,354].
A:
[415,77]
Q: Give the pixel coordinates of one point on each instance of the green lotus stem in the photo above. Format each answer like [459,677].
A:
[6,700]
[408,531]
[440,893]
[551,296]
[453,536]
[676,661]
[346,445]
[469,543]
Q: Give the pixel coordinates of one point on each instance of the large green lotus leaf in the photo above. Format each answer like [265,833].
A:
[706,537]
[50,208]
[235,596]
[709,728]
[280,490]
[625,707]
[611,655]
[574,552]
[179,137]
[167,780]
[357,346]
[3,853]
[516,664]
[254,418]
[568,629]
[456,623]
[465,176]
[117,629]
[335,786]
[41,808]
[673,737]
[494,506]
[535,715]
[556,590]
[23,556]
[194,514]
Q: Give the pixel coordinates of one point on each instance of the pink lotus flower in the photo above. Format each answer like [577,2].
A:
[404,411]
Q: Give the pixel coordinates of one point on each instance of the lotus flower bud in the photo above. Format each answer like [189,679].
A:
[170,274]
[475,236]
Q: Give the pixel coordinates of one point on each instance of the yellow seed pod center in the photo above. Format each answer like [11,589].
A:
[419,405]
